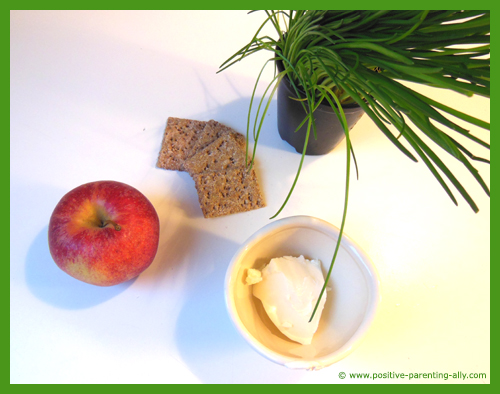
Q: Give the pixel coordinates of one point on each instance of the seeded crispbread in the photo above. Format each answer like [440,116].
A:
[210,133]
[178,140]
[229,191]
[227,151]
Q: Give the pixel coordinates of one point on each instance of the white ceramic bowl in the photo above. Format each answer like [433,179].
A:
[351,302]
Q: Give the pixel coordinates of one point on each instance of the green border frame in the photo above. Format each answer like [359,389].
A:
[219,5]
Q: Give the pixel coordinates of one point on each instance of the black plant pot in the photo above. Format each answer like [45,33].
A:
[328,127]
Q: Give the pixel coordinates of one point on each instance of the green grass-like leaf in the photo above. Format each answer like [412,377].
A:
[365,57]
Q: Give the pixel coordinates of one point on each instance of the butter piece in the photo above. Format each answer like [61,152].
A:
[253,276]
[289,289]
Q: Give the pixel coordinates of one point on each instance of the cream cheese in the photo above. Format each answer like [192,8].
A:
[289,290]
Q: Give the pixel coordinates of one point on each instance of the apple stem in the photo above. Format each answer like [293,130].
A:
[115,225]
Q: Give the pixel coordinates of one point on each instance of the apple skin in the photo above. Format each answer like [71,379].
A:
[104,233]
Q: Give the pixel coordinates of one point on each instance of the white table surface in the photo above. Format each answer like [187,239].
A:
[90,95]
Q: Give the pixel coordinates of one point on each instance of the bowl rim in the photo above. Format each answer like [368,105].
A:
[367,267]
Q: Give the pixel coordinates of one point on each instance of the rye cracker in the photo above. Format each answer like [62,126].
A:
[210,133]
[178,140]
[229,191]
[227,151]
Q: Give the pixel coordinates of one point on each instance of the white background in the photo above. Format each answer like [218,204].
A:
[90,95]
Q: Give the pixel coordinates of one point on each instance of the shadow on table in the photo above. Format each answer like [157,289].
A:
[205,336]
[50,284]
[235,114]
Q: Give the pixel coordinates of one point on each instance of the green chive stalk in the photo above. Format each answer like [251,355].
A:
[364,57]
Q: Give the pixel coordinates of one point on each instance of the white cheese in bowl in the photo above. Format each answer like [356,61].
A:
[289,290]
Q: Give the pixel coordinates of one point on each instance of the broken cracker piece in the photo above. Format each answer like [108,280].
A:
[179,138]
[226,192]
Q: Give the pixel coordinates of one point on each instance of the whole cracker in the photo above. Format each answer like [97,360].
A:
[226,192]
[178,140]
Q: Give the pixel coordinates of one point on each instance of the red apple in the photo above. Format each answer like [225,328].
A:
[104,233]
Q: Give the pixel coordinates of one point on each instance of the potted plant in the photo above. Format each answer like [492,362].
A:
[339,59]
